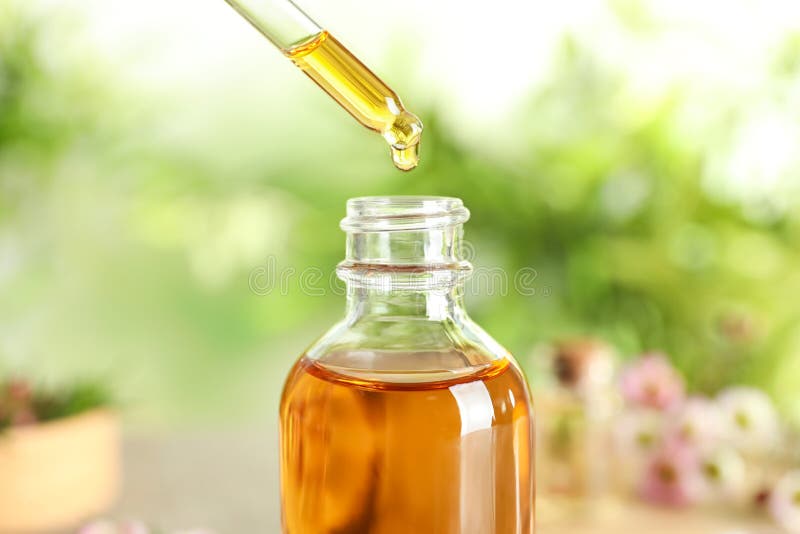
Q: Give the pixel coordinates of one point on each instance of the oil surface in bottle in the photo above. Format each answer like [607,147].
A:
[360,454]
[340,74]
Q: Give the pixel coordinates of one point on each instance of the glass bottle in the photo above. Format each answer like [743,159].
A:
[406,416]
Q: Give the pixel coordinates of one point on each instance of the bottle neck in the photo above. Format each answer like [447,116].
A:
[432,246]
[432,305]
[417,273]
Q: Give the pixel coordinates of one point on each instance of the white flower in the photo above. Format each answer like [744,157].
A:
[784,502]
[638,433]
[751,420]
[723,476]
[699,422]
[637,437]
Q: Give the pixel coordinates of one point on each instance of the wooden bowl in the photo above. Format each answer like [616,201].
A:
[55,475]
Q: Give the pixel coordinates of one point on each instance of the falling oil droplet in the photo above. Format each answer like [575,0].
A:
[407,158]
[403,137]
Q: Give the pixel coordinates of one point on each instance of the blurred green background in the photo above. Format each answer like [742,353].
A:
[641,156]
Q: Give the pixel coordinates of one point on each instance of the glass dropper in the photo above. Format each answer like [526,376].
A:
[339,73]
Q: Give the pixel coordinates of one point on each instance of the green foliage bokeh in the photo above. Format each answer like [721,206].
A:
[130,258]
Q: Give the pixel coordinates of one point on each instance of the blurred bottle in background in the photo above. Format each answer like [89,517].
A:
[575,410]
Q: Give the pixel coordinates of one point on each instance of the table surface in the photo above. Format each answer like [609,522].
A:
[228,482]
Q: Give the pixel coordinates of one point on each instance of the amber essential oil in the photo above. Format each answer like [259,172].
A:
[422,453]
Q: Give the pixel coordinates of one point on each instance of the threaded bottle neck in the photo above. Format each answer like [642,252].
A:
[404,243]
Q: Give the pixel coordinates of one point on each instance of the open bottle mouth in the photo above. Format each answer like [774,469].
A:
[403,213]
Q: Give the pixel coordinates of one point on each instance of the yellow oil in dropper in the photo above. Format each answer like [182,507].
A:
[336,70]
[348,81]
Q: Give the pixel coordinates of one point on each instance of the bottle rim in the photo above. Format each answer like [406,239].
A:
[402,213]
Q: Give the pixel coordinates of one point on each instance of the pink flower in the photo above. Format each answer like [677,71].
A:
[127,527]
[108,527]
[652,382]
[784,502]
[16,403]
[672,476]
